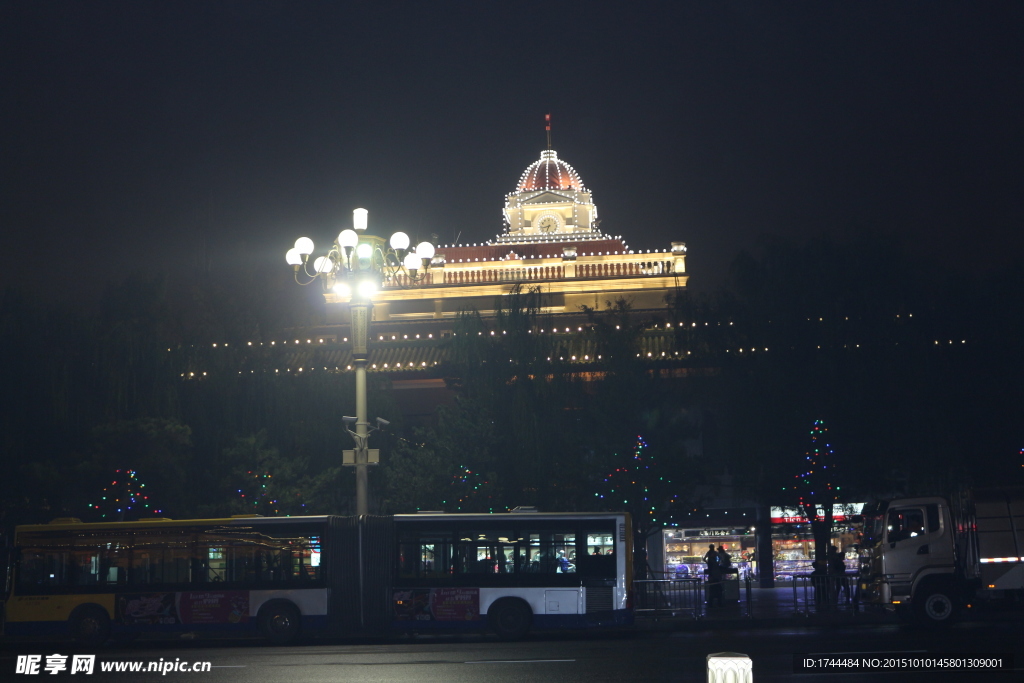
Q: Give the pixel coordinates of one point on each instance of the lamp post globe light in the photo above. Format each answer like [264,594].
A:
[355,267]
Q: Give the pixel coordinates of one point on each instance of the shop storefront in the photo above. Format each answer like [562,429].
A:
[678,552]
[793,541]
[684,549]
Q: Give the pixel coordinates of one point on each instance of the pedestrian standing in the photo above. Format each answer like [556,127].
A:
[714,574]
[724,558]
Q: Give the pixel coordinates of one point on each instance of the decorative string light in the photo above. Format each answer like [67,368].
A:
[653,495]
[124,497]
[816,484]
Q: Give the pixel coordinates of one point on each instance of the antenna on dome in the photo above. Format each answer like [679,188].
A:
[547,127]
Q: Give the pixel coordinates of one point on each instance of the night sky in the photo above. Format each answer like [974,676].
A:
[152,135]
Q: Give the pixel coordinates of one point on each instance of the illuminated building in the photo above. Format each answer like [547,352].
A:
[551,242]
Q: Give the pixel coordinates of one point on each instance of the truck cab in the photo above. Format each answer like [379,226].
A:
[909,563]
[928,557]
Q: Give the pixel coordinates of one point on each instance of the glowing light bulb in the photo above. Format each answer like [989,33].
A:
[425,250]
[348,238]
[399,241]
[411,261]
[359,219]
[366,288]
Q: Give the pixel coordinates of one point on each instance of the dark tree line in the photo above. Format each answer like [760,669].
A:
[915,370]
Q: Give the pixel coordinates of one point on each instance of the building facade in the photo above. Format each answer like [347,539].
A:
[551,242]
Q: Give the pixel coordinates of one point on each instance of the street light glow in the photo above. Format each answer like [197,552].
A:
[374,266]
[359,219]
[399,241]
[323,264]
[366,288]
[348,238]
[425,250]
[411,261]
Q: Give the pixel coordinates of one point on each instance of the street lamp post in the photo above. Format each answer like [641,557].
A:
[355,267]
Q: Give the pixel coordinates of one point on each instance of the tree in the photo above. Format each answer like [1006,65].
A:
[644,487]
[515,435]
[262,482]
[125,499]
[158,448]
[422,474]
[816,490]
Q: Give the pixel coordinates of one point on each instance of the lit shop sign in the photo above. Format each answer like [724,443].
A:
[711,533]
[794,515]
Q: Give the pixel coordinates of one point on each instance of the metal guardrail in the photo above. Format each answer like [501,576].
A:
[815,594]
[670,597]
[679,597]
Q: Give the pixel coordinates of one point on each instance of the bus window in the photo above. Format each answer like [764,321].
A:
[114,560]
[161,559]
[547,552]
[485,552]
[210,561]
[597,554]
[85,567]
[42,568]
[306,552]
[425,554]
[99,560]
[257,556]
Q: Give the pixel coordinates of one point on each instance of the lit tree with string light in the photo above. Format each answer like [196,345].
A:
[265,482]
[124,498]
[255,493]
[641,487]
[816,490]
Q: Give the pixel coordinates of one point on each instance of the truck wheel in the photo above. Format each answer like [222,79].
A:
[510,619]
[90,625]
[937,607]
[279,622]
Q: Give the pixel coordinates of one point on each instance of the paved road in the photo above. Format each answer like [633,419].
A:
[618,658]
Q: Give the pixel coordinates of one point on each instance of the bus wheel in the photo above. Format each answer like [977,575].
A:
[510,618]
[90,625]
[279,622]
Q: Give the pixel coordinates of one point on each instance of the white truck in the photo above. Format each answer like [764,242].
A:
[928,558]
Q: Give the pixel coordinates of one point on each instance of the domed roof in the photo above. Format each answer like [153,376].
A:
[549,173]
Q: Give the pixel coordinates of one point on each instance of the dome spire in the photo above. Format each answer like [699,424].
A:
[547,127]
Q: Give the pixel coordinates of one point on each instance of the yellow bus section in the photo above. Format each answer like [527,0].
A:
[53,607]
[74,524]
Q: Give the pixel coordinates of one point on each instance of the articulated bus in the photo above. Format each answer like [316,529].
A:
[329,575]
